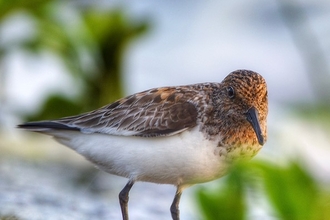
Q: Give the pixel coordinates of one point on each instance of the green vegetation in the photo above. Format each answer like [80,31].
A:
[290,192]
[89,42]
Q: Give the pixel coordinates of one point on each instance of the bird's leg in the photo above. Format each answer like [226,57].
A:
[123,199]
[175,205]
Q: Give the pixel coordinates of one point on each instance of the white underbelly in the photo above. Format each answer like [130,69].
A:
[183,159]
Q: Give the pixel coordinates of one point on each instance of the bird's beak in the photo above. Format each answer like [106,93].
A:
[252,117]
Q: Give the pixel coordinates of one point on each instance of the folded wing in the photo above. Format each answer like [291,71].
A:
[156,112]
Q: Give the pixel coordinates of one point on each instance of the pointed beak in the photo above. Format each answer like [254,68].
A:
[252,117]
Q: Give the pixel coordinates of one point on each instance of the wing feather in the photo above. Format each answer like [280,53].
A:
[156,112]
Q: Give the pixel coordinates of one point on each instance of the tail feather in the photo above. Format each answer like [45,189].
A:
[46,126]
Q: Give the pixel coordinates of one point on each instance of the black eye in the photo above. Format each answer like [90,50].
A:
[231,92]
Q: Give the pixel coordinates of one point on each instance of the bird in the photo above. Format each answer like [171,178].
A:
[178,135]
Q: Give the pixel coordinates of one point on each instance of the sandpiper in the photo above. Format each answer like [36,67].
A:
[180,135]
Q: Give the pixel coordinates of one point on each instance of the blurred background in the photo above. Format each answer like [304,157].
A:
[60,58]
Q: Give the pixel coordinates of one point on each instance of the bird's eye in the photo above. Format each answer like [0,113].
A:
[231,92]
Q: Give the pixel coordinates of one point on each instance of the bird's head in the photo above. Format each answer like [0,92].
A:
[243,104]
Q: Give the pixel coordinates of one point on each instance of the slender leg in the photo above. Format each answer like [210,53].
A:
[175,205]
[123,199]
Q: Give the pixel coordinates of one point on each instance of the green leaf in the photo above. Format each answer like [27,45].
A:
[291,190]
[228,201]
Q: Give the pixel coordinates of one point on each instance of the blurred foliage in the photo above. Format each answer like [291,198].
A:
[227,203]
[317,113]
[8,7]
[112,32]
[296,17]
[290,192]
[9,217]
[89,42]
[56,105]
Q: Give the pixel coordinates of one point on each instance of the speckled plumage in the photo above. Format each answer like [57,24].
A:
[174,135]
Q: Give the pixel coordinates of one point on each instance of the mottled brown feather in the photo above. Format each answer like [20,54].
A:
[155,112]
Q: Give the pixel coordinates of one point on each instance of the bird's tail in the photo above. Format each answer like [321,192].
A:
[46,126]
